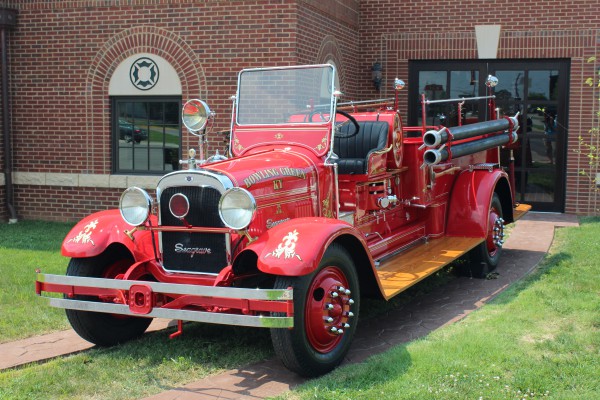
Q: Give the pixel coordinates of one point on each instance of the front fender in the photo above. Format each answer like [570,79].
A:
[296,247]
[93,234]
[470,202]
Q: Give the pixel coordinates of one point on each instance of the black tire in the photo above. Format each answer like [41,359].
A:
[100,328]
[484,258]
[311,348]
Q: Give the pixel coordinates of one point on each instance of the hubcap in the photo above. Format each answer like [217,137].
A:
[328,309]
[495,236]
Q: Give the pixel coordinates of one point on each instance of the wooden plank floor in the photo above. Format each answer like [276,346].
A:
[415,264]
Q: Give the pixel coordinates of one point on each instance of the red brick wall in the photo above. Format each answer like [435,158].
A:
[431,25]
[60,203]
[320,39]
[67,52]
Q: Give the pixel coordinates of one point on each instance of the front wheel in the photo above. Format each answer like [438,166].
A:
[326,306]
[100,328]
[485,257]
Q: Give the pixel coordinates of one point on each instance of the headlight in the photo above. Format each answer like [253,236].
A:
[135,206]
[195,115]
[236,208]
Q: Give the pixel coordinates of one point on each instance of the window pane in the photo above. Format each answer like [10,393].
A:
[171,113]
[543,85]
[145,142]
[464,84]
[510,85]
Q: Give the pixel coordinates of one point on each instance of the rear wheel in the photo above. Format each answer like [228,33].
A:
[326,306]
[485,258]
[100,328]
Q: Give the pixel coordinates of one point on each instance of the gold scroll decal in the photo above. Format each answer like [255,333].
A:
[268,173]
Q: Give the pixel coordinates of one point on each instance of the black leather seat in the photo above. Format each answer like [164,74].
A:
[354,152]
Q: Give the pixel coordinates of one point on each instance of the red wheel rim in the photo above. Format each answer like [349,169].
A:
[328,309]
[495,231]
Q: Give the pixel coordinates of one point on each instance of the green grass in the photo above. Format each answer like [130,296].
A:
[540,338]
[139,368]
[25,246]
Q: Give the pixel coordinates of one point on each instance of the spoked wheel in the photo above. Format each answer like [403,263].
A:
[485,257]
[326,305]
[100,328]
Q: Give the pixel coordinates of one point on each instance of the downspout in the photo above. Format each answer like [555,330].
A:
[8,20]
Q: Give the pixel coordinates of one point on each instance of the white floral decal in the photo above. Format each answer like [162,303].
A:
[287,247]
[85,236]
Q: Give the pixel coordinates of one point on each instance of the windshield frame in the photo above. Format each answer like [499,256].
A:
[324,108]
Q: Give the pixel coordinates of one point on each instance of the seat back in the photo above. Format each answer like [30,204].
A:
[354,151]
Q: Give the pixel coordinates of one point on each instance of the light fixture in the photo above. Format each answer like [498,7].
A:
[377,75]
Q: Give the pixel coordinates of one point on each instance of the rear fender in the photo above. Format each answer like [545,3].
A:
[295,248]
[470,202]
[93,234]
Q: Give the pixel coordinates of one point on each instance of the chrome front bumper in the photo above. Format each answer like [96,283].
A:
[141,294]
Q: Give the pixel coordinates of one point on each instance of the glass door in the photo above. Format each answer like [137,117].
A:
[536,89]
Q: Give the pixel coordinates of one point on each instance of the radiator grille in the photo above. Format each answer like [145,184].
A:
[194,252]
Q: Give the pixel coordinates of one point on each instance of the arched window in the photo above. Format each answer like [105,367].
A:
[145,94]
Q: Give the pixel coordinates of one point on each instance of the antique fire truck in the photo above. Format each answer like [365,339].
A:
[319,203]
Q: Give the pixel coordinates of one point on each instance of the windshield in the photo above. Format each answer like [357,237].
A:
[300,95]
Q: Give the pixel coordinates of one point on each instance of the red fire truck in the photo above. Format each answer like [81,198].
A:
[319,203]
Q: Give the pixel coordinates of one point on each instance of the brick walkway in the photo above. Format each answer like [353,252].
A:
[529,240]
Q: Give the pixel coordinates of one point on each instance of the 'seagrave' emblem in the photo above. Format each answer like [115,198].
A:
[144,73]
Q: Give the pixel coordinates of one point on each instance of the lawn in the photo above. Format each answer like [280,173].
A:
[24,247]
[539,338]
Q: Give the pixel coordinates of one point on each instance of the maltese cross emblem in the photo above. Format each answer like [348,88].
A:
[144,73]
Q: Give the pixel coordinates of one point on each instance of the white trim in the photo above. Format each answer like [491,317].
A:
[84,180]
[167,84]
[488,37]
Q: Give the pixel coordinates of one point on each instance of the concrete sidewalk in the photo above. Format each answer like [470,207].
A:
[529,241]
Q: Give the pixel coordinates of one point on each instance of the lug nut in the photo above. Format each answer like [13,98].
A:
[350,314]
[346,326]
[329,306]
[341,288]
[350,301]
[347,291]
[340,331]
[333,329]
[334,294]
[328,319]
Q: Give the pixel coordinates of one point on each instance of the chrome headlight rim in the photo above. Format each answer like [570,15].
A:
[135,206]
[238,221]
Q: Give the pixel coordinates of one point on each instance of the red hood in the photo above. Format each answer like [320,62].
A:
[260,170]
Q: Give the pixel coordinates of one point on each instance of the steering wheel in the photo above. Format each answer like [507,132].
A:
[351,119]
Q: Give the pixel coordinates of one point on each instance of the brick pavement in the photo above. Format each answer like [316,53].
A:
[529,241]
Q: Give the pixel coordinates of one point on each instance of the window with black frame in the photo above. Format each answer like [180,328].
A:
[146,134]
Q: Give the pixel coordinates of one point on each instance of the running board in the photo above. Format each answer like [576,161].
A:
[417,263]
[520,210]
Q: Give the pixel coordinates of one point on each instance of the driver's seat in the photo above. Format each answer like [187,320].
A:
[354,152]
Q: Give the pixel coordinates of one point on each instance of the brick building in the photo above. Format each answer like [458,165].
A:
[86,77]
